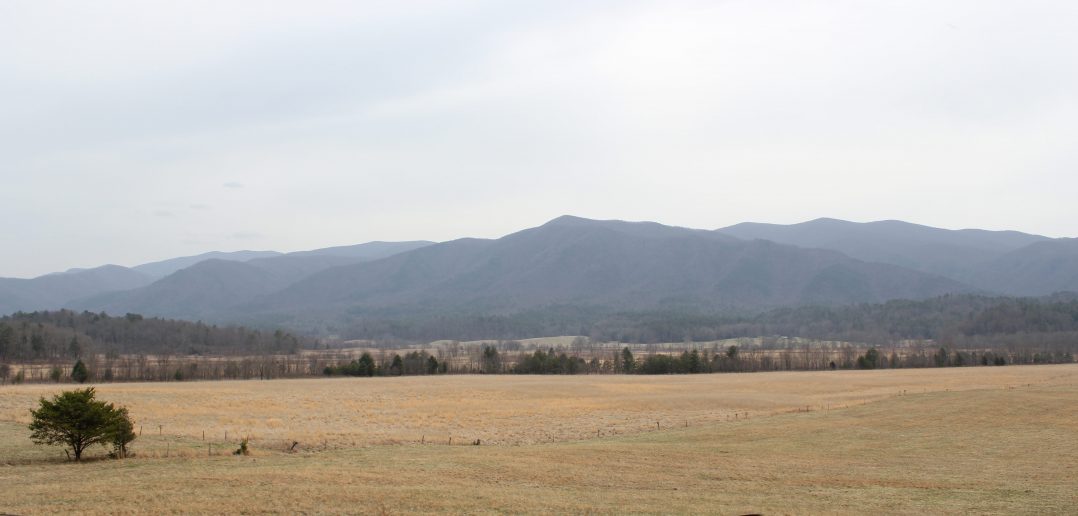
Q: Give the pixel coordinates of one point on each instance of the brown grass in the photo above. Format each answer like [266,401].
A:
[986,440]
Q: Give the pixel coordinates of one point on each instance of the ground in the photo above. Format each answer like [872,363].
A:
[986,440]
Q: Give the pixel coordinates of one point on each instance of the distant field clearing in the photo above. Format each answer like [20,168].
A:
[502,409]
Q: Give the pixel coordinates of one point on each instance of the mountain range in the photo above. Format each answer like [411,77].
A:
[573,262]
[154,286]
[999,262]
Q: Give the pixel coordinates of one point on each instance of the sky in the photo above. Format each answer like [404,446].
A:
[138,131]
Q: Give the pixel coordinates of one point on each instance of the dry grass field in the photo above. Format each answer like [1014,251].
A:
[987,440]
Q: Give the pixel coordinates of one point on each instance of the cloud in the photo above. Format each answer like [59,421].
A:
[232,184]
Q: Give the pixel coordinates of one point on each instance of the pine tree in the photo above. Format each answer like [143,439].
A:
[79,372]
[628,363]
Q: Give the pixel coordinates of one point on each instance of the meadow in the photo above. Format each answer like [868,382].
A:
[987,440]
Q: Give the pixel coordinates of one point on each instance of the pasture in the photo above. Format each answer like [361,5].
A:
[986,439]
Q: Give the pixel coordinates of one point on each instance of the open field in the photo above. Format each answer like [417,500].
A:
[500,409]
[986,440]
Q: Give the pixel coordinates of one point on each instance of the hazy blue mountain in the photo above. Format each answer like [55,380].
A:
[54,290]
[369,250]
[165,267]
[1038,269]
[957,254]
[609,264]
[209,288]
[571,261]
[203,289]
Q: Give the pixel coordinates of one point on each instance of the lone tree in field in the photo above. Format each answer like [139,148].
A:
[76,420]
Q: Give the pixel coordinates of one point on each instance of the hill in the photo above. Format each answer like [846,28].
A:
[367,251]
[1037,269]
[211,287]
[163,268]
[53,290]
[572,275]
[957,254]
[602,265]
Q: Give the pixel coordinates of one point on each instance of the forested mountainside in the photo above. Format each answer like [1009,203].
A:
[197,284]
[1002,262]
[597,266]
[575,275]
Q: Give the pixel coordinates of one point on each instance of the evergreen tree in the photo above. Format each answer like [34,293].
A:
[366,365]
[79,372]
[76,420]
[628,363]
[491,361]
[870,360]
[74,349]
[693,365]
[121,432]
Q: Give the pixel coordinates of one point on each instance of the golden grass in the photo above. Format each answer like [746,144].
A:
[985,440]
[498,409]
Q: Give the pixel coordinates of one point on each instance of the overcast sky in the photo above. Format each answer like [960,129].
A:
[137,131]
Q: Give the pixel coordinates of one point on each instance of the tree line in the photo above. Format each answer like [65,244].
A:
[46,346]
[582,357]
[496,359]
[414,363]
[950,319]
[68,335]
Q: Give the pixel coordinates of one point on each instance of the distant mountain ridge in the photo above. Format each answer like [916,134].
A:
[104,286]
[163,268]
[1003,262]
[209,287]
[54,290]
[576,264]
[923,248]
[610,265]
[1037,269]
